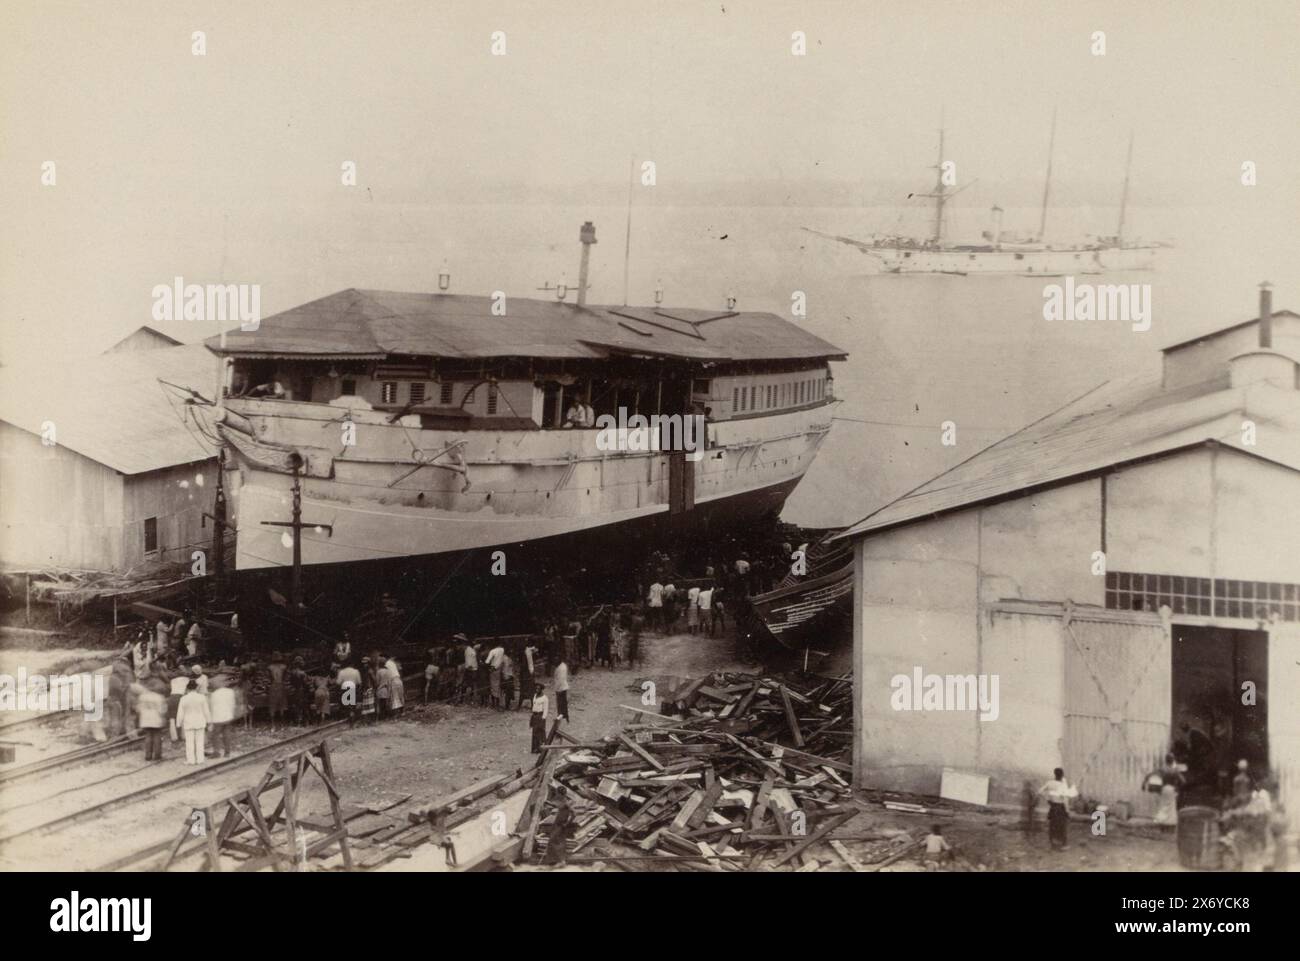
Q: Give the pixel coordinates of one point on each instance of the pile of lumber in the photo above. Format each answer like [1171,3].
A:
[748,772]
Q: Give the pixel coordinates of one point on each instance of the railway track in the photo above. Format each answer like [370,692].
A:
[32,721]
[192,777]
[88,753]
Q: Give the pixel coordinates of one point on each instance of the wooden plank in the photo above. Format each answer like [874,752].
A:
[790,719]
[907,849]
[537,804]
[804,755]
[640,752]
[826,828]
[707,802]
[456,798]
[853,863]
[684,814]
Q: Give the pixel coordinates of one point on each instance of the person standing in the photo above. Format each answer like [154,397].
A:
[221,702]
[1242,785]
[194,638]
[343,649]
[367,690]
[321,701]
[470,682]
[670,608]
[693,610]
[151,709]
[537,718]
[561,682]
[656,601]
[193,717]
[383,688]
[277,695]
[507,681]
[349,682]
[706,609]
[1058,792]
[718,621]
[179,685]
[493,659]
[396,689]
[529,677]
[162,636]
[431,671]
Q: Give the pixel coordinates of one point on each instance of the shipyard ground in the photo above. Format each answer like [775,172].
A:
[437,749]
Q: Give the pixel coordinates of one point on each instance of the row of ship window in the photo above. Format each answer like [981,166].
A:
[771,396]
[417,394]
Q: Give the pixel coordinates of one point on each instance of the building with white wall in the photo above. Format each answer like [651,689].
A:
[1125,566]
[101,466]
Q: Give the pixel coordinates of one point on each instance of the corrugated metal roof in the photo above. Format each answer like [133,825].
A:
[1111,425]
[376,323]
[111,408]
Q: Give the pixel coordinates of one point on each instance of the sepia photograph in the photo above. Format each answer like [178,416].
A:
[709,437]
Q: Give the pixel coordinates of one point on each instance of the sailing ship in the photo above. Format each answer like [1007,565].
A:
[1003,252]
[379,425]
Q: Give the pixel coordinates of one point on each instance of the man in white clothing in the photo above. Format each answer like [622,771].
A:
[221,702]
[537,719]
[561,681]
[194,718]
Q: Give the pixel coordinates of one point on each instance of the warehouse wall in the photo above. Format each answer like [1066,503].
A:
[61,509]
[57,508]
[924,590]
[177,498]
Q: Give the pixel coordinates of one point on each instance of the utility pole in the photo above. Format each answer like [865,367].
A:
[296,607]
[219,527]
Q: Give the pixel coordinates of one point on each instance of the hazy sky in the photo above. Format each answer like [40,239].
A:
[228,164]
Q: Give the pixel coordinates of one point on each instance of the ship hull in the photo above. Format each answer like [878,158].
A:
[1028,261]
[373,501]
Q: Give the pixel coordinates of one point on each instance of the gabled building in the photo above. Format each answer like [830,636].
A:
[1127,568]
[128,475]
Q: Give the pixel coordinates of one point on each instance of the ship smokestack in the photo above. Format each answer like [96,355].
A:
[995,230]
[1266,314]
[586,237]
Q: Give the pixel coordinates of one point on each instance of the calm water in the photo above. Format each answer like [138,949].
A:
[923,349]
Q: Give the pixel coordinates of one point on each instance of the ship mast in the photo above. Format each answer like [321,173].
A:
[1123,197]
[1047,183]
[939,189]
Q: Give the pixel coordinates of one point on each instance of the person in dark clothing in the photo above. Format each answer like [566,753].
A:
[1058,792]
[537,719]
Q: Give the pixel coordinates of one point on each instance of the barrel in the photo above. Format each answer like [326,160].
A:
[1198,837]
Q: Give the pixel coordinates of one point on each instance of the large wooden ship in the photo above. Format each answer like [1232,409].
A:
[413,425]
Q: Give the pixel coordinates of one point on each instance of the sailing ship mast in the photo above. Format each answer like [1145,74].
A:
[1123,197]
[939,189]
[1047,183]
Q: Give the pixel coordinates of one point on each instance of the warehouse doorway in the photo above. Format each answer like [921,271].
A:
[1220,705]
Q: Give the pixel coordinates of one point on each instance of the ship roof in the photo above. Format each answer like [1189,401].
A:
[374,324]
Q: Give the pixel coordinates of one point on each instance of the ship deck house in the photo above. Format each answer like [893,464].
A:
[1188,486]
